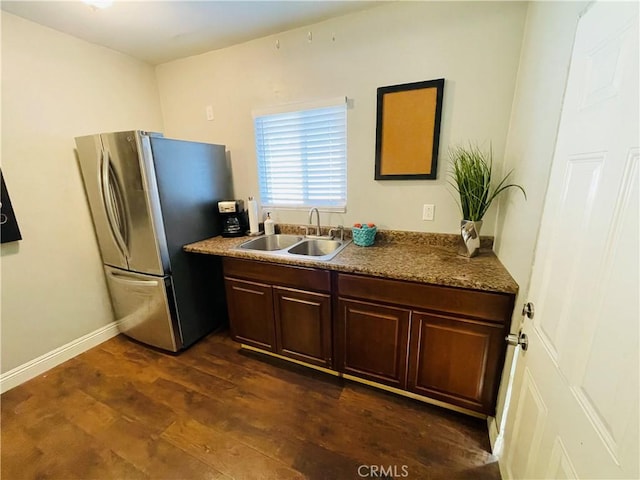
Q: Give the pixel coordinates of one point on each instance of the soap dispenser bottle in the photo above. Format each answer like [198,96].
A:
[269,227]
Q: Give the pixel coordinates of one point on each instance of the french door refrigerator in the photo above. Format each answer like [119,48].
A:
[148,196]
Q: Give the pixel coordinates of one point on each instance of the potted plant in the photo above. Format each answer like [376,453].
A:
[471,177]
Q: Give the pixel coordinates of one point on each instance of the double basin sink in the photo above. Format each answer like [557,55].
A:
[296,246]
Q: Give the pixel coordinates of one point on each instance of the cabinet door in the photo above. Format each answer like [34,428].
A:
[251,313]
[456,360]
[373,341]
[303,325]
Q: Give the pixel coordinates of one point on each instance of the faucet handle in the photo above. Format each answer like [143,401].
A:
[306,229]
[334,230]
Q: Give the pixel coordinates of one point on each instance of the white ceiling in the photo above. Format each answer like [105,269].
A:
[161,31]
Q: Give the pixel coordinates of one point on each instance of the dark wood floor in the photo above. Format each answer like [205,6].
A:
[124,411]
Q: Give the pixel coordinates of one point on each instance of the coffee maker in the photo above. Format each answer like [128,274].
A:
[234,218]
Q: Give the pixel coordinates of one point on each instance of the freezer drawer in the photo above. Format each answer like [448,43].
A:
[144,306]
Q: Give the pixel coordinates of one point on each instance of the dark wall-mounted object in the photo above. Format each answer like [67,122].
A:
[408,130]
[9,231]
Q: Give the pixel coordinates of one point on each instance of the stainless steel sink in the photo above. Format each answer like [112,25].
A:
[316,247]
[269,243]
[296,246]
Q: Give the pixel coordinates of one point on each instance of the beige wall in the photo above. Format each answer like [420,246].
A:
[54,88]
[542,75]
[474,46]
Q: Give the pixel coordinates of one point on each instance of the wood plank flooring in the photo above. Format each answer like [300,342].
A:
[124,411]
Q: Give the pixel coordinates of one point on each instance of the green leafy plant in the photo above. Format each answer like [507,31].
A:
[471,177]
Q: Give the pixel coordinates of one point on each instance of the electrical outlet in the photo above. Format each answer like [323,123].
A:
[209,111]
[428,211]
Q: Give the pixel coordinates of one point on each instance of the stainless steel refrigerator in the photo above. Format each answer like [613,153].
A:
[148,196]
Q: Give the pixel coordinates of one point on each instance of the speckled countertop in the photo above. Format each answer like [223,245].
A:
[413,256]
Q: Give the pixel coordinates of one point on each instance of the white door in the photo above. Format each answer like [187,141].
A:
[574,411]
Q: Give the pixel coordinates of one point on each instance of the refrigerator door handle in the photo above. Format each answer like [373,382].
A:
[112,198]
[123,278]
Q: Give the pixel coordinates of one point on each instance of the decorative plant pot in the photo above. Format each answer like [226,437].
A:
[470,238]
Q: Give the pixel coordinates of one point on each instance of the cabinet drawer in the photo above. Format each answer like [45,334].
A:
[493,307]
[285,275]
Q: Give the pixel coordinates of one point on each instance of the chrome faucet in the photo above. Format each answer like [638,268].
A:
[314,209]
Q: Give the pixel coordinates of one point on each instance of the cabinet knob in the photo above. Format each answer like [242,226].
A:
[519,339]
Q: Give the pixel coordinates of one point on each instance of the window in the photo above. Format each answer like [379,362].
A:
[302,156]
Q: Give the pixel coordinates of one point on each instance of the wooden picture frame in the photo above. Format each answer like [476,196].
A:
[408,130]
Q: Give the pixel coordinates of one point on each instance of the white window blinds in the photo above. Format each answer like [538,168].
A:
[302,157]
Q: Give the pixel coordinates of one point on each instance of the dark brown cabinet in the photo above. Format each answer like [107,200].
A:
[439,342]
[282,309]
[303,325]
[455,360]
[373,341]
[250,307]
[443,343]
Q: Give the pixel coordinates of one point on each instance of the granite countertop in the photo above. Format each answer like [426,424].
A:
[412,256]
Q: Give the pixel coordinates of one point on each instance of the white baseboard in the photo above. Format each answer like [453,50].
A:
[497,445]
[494,436]
[37,366]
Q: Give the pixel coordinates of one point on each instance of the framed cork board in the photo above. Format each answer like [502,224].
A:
[408,130]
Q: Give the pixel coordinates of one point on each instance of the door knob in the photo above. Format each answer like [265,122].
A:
[519,339]
[528,310]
